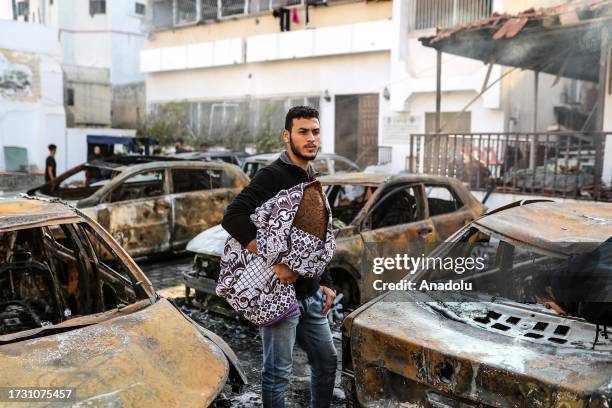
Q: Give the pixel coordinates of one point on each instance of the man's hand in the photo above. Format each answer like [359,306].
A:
[330,295]
[252,246]
[284,273]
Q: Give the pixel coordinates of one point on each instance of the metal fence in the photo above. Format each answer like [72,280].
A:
[560,164]
[385,154]
[445,13]
[165,14]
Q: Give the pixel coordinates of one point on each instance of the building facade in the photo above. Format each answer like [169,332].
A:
[31,102]
[236,68]
[101,42]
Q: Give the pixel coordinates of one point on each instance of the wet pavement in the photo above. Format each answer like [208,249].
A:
[243,338]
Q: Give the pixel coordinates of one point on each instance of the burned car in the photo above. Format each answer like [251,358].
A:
[76,313]
[371,212]
[149,207]
[503,337]
[325,163]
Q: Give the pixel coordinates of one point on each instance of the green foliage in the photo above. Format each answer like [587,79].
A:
[268,139]
[167,122]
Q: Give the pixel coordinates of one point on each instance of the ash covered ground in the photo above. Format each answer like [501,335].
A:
[242,337]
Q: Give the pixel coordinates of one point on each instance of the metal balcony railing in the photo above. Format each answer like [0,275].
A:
[559,164]
[179,13]
[445,13]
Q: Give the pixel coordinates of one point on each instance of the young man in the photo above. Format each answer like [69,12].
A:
[315,295]
[50,165]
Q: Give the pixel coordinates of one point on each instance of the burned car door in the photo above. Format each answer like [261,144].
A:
[395,225]
[200,197]
[446,210]
[137,213]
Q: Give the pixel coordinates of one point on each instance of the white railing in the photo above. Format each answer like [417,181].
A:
[179,13]
[426,14]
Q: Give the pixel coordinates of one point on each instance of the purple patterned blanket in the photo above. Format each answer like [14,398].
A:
[247,280]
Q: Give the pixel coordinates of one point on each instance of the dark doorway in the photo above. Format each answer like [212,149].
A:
[356,128]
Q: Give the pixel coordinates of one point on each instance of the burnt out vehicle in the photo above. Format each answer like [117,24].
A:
[506,341]
[150,207]
[77,314]
[325,163]
[372,213]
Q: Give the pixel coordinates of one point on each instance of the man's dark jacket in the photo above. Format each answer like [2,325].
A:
[282,174]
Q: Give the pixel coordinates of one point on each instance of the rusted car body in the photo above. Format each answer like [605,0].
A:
[150,207]
[325,163]
[498,346]
[371,212]
[77,313]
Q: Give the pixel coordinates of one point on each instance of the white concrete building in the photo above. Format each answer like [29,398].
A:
[96,35]
[244,72]
[31,96]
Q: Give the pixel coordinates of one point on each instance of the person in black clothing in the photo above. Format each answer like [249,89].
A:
[50,165]
[315,295]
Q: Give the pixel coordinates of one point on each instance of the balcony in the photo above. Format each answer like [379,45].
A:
[165,14]
[556,164]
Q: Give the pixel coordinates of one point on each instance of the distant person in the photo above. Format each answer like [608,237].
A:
[204,147]
[179,146]
[51,166]
[94,174]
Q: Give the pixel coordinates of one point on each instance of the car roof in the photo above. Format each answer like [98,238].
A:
[563,228]
[25,211]
[275,155]
[374,179]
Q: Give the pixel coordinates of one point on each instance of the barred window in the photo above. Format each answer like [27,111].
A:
[97,7]
[445,13]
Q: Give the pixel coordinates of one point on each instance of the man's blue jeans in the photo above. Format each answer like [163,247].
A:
[313,335]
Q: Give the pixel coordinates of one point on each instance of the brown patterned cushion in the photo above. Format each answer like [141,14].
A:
[312,215]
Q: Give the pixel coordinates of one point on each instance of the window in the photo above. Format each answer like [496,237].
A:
[344,166]
[397,207]
[97,7]
[441,200]
[139,8]
[347,200]
[445,13]
[23,8]
[186,180]
[142,185]
[70,97]
[185,12]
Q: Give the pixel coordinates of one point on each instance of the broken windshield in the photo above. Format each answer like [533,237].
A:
[49,275]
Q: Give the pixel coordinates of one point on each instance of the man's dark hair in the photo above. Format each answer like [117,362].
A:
[180,140]
[52,147]
[299,112]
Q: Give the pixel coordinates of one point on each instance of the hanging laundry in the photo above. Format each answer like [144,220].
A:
[295,17]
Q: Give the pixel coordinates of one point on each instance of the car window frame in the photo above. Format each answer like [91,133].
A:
[453,193]
[422,208]
[106,196]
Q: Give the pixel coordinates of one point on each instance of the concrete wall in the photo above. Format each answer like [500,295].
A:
[92,96]
[336,15]
[117,34]
[344,50]
[76,142]
[128,105]
[31,115]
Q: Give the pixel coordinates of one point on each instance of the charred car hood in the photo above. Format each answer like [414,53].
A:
[153,357]
[209,242]
[396,341]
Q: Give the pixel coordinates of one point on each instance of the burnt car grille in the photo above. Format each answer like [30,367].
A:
[527,323]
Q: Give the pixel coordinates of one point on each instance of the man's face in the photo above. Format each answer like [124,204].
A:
[304,139]
[52,152]
[97,150]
